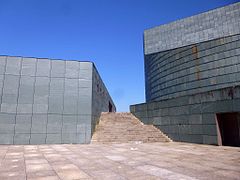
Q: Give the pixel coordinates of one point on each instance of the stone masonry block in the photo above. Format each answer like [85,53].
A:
[7,119]
[7,128]
[196,129]
[208,118]
[13,65]
[69,128]
[39,123]
[72,69]
[43,67]
[210,139]
[57,68]
[54,139]
[195,119]
[69,138]
[38,138]
[224,106]
[21,138]
[28,66]
[6,138]
[70,119]
[22,128]
[236,105]
[2,64]
[81,138]
[210,130]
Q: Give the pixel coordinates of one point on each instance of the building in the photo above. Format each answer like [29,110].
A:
[192,78]
[46,101]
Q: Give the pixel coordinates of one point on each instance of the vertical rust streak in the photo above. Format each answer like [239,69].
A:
[195,57]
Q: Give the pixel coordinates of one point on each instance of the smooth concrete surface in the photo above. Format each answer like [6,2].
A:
[119,161]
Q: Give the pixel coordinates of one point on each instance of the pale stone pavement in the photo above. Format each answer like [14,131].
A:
[172,160]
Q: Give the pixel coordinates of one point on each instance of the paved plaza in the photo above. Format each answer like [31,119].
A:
[119,161]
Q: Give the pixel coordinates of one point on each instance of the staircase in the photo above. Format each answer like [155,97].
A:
[123,128]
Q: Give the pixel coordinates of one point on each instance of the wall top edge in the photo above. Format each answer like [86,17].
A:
[216,23]
[51,59]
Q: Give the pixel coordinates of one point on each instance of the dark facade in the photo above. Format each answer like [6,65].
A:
[46,101]
[192,74]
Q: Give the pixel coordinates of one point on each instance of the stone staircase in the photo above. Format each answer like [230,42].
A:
[123,128]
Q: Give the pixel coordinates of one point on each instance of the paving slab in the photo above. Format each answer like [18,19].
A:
[170,160]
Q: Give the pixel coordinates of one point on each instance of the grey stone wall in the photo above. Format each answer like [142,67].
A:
[192,72]
[193,69]
[202,27]
[45,101]
[190,118]
[100,99]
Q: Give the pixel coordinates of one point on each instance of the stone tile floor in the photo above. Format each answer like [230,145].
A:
[119,161]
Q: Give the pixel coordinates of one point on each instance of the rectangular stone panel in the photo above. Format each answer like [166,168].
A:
[69,138]
[25,96]
[55,104]
[39,123]
[23,123]
[209,139]
[13,65]
[58,68]
[72,69]
[54,124]
[54,139]
[2,64]
[6,138]
[85,74]
[56,95]
[21,138]
[1,87]
[236,105]
[7,129]
[210,129]
[10,94]
[41,90]
[7,119]
[196,129]
[41,95]
[38,138]
[84,119]
[195,119]
[69,128]
[81,138]
[22,128]
[71,119]
[71,96]
[29,66]
[84,105]
[10,89]
[208,118]
[43,67]
[86,65]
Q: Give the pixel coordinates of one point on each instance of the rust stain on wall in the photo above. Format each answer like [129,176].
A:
[196,58]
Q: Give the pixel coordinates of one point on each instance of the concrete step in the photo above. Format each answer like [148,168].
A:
[123,128]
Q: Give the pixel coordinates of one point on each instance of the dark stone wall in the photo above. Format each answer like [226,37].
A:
[100,99]
[213,24]
[192,72]
[193,69]
[190,118]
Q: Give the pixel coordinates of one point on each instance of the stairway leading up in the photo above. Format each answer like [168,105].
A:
[124,128]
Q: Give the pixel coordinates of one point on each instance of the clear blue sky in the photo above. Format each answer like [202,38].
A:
[107,32]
